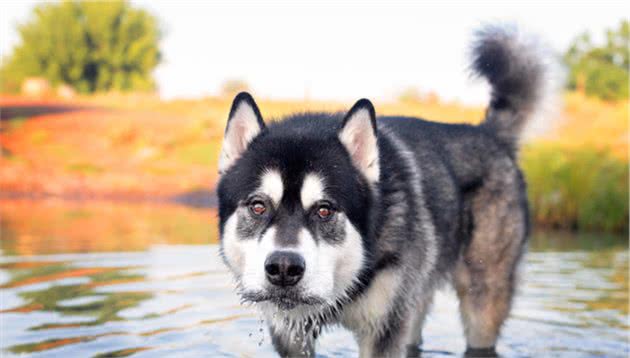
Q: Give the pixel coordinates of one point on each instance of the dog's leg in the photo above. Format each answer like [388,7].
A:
[484,276]
[414,340]
[389,341]
[293,344]
[381,347]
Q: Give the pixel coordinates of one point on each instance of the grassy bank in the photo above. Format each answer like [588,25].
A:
[582,188]
[140,146]
[578,171]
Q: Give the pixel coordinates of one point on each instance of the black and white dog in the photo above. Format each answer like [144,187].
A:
[356,219]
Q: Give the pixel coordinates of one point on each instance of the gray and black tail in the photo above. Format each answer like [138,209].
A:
[523,76]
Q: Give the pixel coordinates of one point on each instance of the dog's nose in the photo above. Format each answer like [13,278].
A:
[284,268]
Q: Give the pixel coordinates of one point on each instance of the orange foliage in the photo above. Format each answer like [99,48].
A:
[136,146]
[67,227]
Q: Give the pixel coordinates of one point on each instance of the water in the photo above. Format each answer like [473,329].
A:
[83,280]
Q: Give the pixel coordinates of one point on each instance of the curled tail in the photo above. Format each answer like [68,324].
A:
[523,77]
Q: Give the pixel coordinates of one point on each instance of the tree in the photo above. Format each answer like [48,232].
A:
[90,45]
[231,87]
[600,71]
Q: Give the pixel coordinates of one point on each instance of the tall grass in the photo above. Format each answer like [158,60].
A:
[583,188]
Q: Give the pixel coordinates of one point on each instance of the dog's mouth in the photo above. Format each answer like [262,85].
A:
[284,299]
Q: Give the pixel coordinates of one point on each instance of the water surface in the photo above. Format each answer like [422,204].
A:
[113,280]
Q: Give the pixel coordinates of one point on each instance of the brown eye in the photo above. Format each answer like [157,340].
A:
[257,207]
[324,211]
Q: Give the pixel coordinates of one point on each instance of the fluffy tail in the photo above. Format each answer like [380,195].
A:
[523,77]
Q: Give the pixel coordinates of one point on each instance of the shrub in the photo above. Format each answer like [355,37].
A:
[576,188]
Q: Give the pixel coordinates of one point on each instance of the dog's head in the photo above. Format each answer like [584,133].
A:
[295,201]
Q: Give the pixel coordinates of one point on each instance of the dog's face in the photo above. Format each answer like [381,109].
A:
[294,203]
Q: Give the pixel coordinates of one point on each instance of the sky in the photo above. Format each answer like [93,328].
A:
[339,50]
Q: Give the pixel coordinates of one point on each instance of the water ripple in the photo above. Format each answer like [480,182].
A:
[178,300]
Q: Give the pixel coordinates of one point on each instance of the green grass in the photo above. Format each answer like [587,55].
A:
[84,168]
[39,136]
[583,188]
[200,153]
[564,241]
[16,123]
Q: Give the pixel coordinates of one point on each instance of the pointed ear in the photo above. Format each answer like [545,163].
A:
[244,124]
[358,135]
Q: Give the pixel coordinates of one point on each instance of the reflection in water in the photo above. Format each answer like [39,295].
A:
[111,280]
[50,227]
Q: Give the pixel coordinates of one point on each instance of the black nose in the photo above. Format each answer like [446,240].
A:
[284,268]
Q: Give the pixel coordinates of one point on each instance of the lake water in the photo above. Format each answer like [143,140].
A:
[112,280]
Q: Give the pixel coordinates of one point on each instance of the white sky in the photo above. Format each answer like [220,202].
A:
[324,50]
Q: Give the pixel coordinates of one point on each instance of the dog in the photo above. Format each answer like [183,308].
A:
[354,219]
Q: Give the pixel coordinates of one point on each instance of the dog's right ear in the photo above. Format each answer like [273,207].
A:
[244,124]
[358,135]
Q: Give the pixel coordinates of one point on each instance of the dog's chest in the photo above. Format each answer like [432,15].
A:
[370,311]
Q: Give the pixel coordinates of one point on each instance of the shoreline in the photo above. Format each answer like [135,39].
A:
[207,199]
[198,199]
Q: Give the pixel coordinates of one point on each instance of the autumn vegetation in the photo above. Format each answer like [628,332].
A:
[92,127]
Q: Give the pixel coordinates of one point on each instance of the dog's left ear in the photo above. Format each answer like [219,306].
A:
[358,135]
[244,124]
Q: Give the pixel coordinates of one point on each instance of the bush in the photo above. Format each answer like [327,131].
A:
[585,188]
[600,71]
[90,45]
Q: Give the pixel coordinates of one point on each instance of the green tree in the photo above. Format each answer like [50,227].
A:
[600,71]
[90,45]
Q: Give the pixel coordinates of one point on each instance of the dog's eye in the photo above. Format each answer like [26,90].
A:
[257,207]
[324,211]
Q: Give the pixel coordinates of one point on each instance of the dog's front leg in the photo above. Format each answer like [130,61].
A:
[387,343]
[293,343]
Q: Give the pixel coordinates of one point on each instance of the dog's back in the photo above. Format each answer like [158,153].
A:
[472,185]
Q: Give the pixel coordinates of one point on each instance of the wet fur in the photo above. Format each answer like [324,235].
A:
[449,207]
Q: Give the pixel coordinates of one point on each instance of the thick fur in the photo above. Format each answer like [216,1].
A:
[417,204]
[524,76]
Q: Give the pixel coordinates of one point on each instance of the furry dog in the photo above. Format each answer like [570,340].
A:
[354,219]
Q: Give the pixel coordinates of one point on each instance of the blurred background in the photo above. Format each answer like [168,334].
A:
[111,120]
